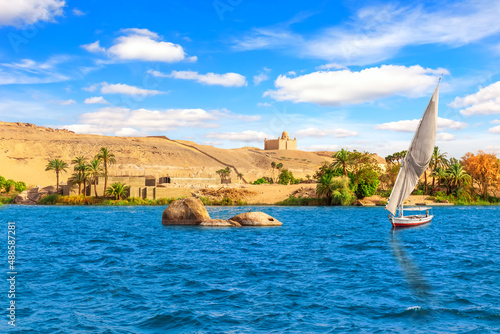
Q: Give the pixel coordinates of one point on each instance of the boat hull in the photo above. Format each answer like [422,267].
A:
[410,220]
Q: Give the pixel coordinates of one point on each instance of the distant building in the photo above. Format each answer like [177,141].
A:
[283,143]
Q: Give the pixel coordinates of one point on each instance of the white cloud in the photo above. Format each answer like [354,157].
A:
[126,89]
[443,136]
[347,87]
[264,104]
[224,114]
[78,12]
[95,100]
[94,47]
[376,33]
[315,132]
[25,12]
[142,45]
[245,136]
[91,88]
[227,79]
[495,129]
[330,66]
[28,71]
[496,121]
[115,120]
[62,102]
[485,102]
[411,125]
[261,77]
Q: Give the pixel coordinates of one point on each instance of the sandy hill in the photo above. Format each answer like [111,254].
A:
[25,150]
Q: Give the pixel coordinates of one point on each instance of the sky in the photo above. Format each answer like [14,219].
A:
[230,73]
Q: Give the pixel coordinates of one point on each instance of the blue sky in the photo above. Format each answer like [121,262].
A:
[229,73]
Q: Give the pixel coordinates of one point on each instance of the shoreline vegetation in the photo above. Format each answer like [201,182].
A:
[351,178]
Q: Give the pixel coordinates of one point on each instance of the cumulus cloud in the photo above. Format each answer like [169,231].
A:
[95,100]
[245,136]
[377,33]
[127,90]
[227,79]
[495,129]
[116,120]
[24,12]
[142,45]
[315,132]
[349,87]
[485,102]
[411,125]
[443,136]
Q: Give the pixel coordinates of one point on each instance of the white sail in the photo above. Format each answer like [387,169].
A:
[418,157]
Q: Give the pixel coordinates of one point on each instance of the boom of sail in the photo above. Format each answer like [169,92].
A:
[417,158]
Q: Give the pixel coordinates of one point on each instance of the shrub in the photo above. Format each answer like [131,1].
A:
[300,201]
[49,199]
[261,181]
[286,177]
[365,183]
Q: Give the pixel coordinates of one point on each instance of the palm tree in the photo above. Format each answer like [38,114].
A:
[107,159]
[343,160]
[324,188]
[79,176]
[273,166]
[240,177]
[58,166]
[95,170]
[278,167]
[438,160]
[117,189]
[457,176]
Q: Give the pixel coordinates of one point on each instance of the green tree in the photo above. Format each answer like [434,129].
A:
[224,174]
[324,188]
[108,159]
[365,183]
[117,189]
[240,177]
[286,177]
[457,177]
[343,159]
[95,170]
[273,167]
[58,166]
[438,160]
[80,173]
[335,189]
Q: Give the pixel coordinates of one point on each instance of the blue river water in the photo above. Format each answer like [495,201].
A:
[326,270]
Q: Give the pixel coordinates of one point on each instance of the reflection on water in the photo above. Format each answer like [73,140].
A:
[412,273]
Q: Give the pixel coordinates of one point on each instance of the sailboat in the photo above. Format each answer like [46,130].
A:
[414,164]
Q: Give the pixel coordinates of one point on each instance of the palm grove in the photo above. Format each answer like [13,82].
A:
[354,175]
[87,172]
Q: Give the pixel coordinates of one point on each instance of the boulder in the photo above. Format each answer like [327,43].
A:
[186,211]
[21,198]
[256,219]
[220,222]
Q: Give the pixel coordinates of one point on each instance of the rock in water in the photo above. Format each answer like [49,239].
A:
[220,222]
[256,219]
[186,211]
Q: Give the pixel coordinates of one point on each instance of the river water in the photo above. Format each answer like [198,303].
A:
[87,269]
